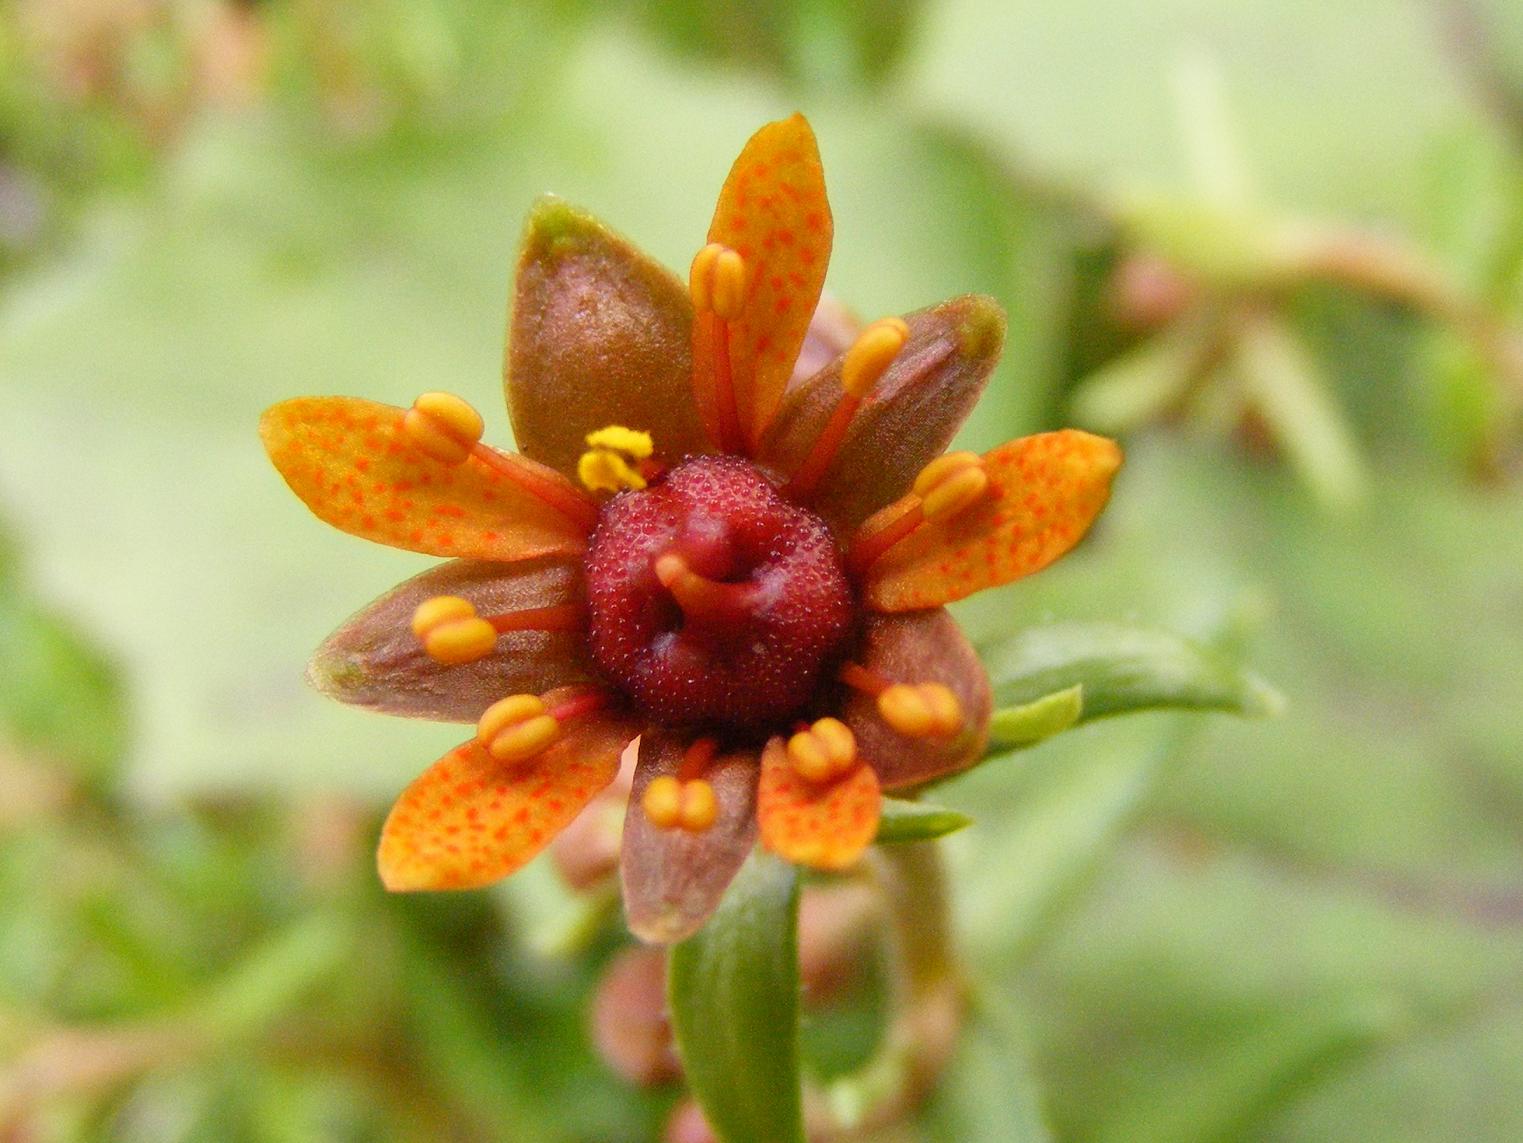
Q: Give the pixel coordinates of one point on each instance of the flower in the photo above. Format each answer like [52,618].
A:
[730,531]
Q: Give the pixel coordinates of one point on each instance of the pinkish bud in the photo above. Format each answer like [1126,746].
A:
[629,1023]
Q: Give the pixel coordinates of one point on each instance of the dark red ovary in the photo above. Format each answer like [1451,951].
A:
[781,606]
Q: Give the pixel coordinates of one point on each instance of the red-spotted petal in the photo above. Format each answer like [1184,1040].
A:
[674,879]
[825,825]
[375,661]
[1044,492]
[773,212]
[352,464]
[469,820]
[601,335]
[919,647]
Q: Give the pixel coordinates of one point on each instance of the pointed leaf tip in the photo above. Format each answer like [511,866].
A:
[1029,723]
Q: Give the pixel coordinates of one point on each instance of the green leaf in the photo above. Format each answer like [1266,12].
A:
[57,693]
[1147,381]
[1030,723]
[989,1091]
[1123,669]
[1284,384]
[903,821]
[733,990]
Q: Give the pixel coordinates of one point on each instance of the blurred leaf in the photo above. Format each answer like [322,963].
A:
[1025,725]
[1122,669]
[733,992]
[988,1091]
[1283,384]
[1147,381]
[1257,1065]
[916,821]
[58,694]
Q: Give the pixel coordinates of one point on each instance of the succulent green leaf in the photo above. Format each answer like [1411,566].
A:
[904,820]
[1121,669]
[1012,727]
[733,991]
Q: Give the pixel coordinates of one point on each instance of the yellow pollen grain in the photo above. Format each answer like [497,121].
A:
[824,752]
[630,442]
[610,464]
[600,470]
[871,354]
[662,802]
[443,426]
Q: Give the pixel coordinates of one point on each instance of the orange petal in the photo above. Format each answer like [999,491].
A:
[1044,492]
[673,879]
[375,661]
[772,211]
[600,335]
[825,825]
[469,820]
[349,460]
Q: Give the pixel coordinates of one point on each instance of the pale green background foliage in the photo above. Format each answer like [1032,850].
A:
[1306,928]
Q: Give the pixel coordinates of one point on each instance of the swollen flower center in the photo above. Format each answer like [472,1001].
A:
[712,599]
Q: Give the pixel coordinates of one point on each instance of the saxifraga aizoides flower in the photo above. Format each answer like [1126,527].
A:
[730,531]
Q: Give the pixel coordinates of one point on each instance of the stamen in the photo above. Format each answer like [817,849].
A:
[824,752]
[452,633]
[541,482]
[671,803]
[698,758]
[705,599]
[717,281]
[866,361]
[921,710]
[871,354]
[916,710]
[612,463]
[443,426]
[517,728]
[949,485]
[520,727]
[717,284]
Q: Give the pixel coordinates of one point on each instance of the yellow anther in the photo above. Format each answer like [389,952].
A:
[951,483]
[671,803]
[824,752]
[602,471]
[871,354]
[451,631]
[443,426]
[517,728]
[662,802]
[700,808]
[717,281]
[631,442]
[610,464]
[921,710]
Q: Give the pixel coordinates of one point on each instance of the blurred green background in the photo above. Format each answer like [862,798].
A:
[1276,244]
